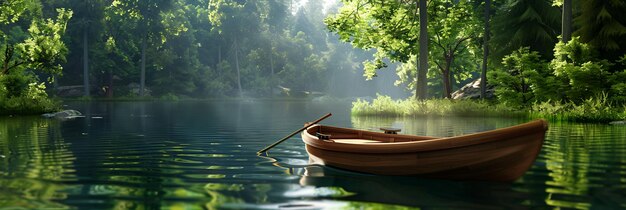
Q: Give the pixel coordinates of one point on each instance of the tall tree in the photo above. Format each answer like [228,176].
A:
[390,27]
[602,23]
[31,44]
[421,91]
[486,36]
[147,14]
[526,23]
[236,21]
[86,26]
[453,28]
[566,21]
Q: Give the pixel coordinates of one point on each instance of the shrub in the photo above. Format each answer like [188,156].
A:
[524,79]
[22,94]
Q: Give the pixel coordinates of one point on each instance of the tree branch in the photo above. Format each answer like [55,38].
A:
[459,42]
[439,66]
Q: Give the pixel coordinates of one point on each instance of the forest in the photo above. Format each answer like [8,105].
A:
[166,49]
[534,54]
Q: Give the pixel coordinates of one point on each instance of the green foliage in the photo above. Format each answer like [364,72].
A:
[11,10]
[597,109]
[390,27]
[40,50]
[454,27]
[22,94]
[581,74]
[575,86]
[523,23]
[523,80]
[384,105]
[44,48]
[602,24]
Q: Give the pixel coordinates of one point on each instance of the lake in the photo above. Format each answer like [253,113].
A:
[202,155]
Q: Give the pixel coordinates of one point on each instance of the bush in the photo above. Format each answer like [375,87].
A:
[22,94]
[524,80]
[581,74]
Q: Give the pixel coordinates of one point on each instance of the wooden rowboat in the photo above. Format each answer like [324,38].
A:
[498,155]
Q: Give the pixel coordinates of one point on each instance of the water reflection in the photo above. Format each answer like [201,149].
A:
[202,155]
[412,191]
[581,166]
[34,158]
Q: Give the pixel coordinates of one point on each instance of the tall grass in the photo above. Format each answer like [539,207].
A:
[591,110]
[385,106]
[597,109]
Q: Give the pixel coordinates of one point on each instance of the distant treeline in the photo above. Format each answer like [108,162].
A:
[189,48]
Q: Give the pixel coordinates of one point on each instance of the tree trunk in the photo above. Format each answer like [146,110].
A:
[109,90]
[142,85]
[219,56]
[5,62]
[447,86]
[238,70]
[86,62]
[566,25]
[483,73]
[420,91]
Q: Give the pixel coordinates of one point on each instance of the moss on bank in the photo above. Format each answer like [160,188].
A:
[590,111]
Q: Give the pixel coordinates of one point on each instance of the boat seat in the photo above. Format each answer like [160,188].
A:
[322,136]
[391,130]
[355,141]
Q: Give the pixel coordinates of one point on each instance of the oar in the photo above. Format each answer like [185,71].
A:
[294,133]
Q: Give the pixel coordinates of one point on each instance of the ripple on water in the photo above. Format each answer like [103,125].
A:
[203,155]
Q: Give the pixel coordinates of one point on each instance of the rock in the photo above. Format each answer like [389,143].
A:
[65,114]
[472,91]
[622,122]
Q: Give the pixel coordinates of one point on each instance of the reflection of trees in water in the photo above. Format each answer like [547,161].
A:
[35,158]
[581,166]
[584,164]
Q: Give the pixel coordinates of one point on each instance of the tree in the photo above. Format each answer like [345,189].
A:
[421,91]
[85,28]
[603,25]
[234,20]
[566,28]
[520,82]
[147,16]
[524,23]
[388,27]
[486,36]
[39,49]
[453,27]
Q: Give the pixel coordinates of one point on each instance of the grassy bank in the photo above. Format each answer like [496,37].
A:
[589,111]
[27,106]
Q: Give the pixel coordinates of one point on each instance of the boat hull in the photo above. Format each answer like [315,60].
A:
[504,159]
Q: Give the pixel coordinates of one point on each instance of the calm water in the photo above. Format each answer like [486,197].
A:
[201,155]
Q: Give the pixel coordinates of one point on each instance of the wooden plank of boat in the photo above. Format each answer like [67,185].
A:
[497,155]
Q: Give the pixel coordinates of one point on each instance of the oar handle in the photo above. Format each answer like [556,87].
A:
[294,133]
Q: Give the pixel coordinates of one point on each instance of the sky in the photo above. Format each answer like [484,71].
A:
[327,3]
